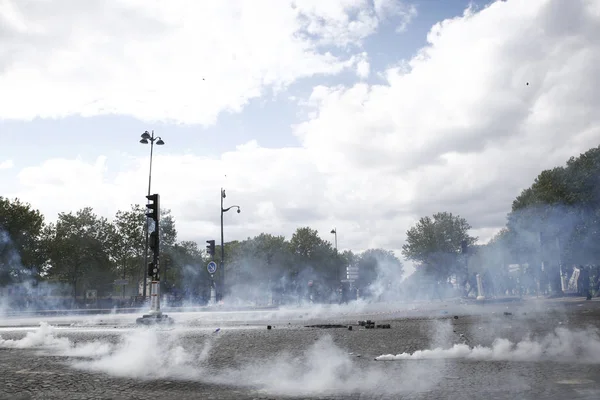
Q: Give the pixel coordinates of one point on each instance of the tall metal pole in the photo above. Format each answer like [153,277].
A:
[222,267]
[147,222]
[336,240]
[152,139]
[334,231]
[224,210]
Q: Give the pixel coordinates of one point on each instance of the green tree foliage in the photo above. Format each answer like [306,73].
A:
[80,251]
[564,205]
[22,252]
[314,258]
[379,265]
[127,244]
[434,243]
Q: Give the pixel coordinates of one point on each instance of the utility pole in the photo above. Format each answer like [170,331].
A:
[223,211]
[155,315]
[148,138]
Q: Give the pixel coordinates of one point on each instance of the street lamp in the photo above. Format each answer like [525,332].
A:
[149,138]
[224,210]
[334,232]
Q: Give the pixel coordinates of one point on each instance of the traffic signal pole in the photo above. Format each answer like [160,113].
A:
[155,315]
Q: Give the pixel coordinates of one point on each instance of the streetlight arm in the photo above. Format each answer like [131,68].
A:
[229,208]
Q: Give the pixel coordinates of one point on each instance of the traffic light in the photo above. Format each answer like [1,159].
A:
[154,207]
[152,270]
[211,247]
[153,242]
[464,247]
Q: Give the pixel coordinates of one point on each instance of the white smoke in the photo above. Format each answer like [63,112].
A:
[562,345]
[44,337]
[151,353]
[324,368]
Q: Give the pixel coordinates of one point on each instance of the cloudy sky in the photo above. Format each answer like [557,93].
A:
[358,114]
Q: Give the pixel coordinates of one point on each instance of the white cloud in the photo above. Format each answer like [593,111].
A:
[455,129]
[363,68]
[181,60]
[395,8]
[7,164]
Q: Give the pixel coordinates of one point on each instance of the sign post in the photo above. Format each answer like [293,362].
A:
[211,267]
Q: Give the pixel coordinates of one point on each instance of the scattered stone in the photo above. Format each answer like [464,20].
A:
[507,313]
[269,327]
[456,317]
[350,327]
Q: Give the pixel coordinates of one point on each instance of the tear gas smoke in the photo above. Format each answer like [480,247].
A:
[150,354]
[323,368]
[563,345]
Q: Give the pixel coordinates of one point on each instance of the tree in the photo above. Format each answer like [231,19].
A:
[79,253]
[434,243]
[558,217]
[314,257]
[22,254]
[380,271]
[184,271]
[258,265]
[168,232]
[127,244]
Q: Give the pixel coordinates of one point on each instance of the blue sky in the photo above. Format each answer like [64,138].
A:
[369,154]
[266,119]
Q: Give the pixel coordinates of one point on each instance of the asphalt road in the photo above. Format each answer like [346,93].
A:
[107,357]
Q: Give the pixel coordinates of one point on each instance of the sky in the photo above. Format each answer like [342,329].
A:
[363,115]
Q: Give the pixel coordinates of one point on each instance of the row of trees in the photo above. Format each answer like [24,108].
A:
[553,224]
[82,251]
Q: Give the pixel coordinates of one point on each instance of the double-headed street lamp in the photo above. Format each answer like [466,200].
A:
[149,138]
[224,210]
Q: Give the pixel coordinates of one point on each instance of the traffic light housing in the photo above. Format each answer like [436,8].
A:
[154,207]
[153,241]
[210,249]
[152,270]
[464,247]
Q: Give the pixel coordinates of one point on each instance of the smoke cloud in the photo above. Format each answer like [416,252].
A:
[322,368]
[563,345]
[152,353]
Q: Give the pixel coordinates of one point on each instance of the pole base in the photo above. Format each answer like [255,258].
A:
[152,319]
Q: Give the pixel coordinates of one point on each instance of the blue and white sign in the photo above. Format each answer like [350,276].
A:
[211,267]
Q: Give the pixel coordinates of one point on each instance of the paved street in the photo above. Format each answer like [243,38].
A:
[107,357]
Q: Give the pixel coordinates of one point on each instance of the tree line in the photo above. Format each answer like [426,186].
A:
[82,251]
[552,226]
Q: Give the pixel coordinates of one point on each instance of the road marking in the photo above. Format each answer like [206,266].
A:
[575,382]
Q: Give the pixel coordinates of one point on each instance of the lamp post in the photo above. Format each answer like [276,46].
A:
[334,232]
[224,210]
[148,138]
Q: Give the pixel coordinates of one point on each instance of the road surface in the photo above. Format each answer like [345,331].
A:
[232,355]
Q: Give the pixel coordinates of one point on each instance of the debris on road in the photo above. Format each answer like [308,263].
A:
[368,324]
[325,326]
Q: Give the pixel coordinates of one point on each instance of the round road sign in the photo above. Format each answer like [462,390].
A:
[211,267]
